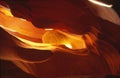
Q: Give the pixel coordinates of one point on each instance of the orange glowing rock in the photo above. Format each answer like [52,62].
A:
[28,34]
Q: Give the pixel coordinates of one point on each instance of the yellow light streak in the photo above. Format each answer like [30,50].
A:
[68,46]
[34,45]
[49,29]
[100,3]
[6,11]
[7,29]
